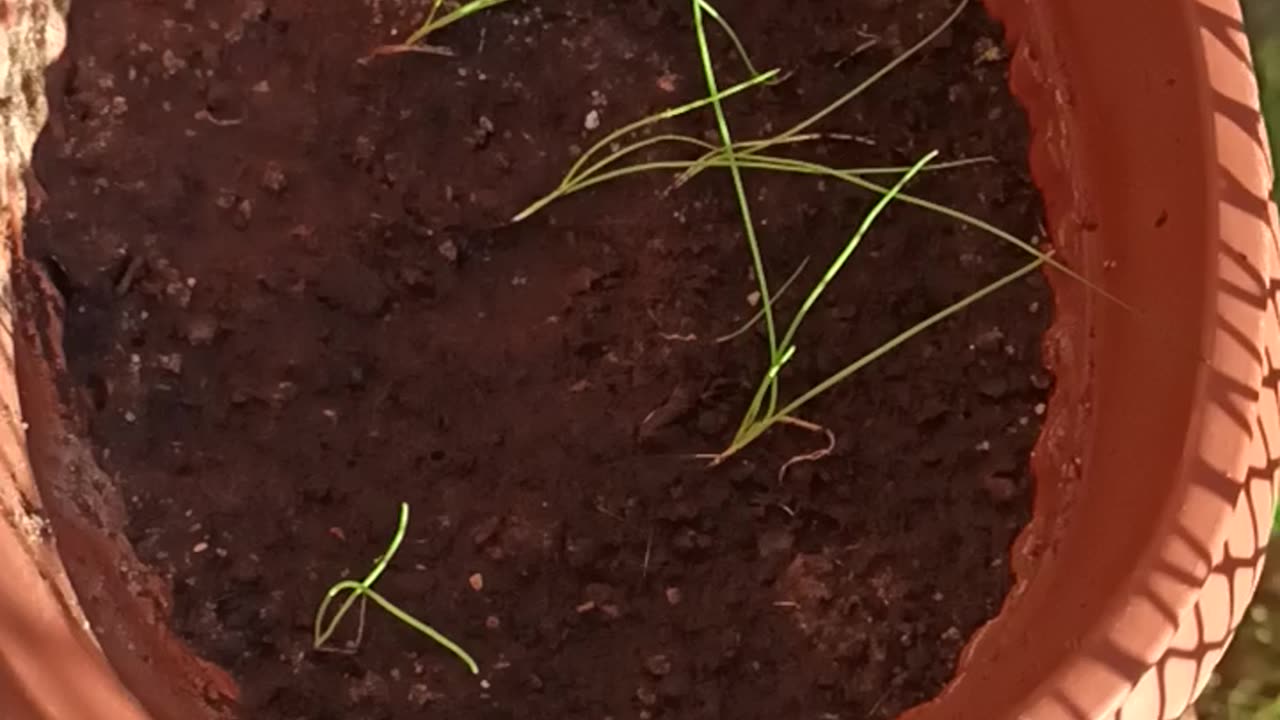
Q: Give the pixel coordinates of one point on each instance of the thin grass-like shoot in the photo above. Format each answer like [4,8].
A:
[363,590]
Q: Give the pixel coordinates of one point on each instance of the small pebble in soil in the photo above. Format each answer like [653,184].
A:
[989,340]
[170,362]
[476,581]
[492,622]
[273,178]
[658,665]
[592,120]
[421,695]
[244,213]
[448,250]
[646,696]
[200,547]
[483,132]
[172,63]
[226,199]
[362,153]
[674,596]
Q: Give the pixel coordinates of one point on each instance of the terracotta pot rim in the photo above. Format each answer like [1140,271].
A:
[1143,646]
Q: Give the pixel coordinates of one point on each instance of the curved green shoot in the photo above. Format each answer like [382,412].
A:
[788,411]
[753,417]
[780,164]
[763,144]
[576,171]
[750,323]
[739,187]
[434,23]
[323,632]
[854,242]
[733,38]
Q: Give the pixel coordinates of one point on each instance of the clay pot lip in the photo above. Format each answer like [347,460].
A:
[1212,507]
[1198,517]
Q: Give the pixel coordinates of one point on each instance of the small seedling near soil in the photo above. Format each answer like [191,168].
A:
[363,592]
[594,167]
[435,21]
[764,413]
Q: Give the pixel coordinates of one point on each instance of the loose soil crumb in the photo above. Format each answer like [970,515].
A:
[294,301]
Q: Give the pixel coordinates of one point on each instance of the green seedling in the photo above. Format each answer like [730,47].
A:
[415,43]
[363,591]
[737,157]
[435,21]
[581,175]
[763,412]
[744,206]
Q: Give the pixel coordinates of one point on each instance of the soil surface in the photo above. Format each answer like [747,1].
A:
[295,300]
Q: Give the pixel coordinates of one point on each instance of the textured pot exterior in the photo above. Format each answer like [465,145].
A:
[1156,467]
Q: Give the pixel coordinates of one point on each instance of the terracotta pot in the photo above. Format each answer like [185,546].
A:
[1156,468]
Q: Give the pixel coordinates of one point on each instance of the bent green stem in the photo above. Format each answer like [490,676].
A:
[841,101]
[433,23]
[792,407]
[726,137]
[322,633]
[752,417]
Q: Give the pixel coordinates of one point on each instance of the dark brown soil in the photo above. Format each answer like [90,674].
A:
[294,301]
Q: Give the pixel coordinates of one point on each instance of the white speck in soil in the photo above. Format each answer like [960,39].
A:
[170,362]
[273,178]
[658,665]
[592,120]
[646,696]
[244,213]
[448,250]
[421,695]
